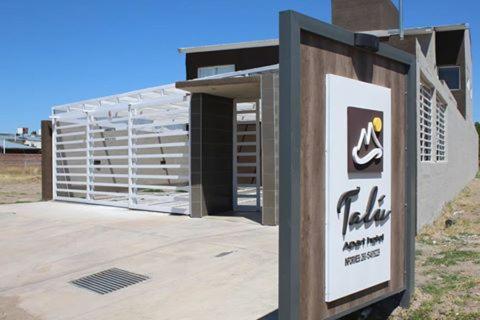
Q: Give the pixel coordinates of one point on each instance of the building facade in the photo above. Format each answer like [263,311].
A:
[447,140]
[214,136]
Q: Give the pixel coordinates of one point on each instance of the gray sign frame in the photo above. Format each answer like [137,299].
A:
[291,25]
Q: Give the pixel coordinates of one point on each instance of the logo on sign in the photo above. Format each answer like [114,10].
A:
[365,152]
[365,139]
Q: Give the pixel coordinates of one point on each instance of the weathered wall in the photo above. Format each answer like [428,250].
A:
[211,154]
[362,15]
[440,182]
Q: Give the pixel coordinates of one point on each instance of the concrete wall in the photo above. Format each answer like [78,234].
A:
[440,182]
[409,43]
[444,48]
[468,76]
[270,95]
[211,160]
[451,50]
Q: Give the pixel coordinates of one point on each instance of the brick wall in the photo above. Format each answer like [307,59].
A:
[20,159]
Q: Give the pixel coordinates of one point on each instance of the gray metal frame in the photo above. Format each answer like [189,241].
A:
[291,24]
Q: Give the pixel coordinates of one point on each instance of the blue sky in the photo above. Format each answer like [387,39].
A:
[54,52]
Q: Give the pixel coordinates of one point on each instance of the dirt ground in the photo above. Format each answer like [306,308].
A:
[20,184]
[447,266]
[448,263]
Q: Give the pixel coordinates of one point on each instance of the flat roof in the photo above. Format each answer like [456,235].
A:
[275,42]
[244,84]
[230,46]
[241,88]
[418,30]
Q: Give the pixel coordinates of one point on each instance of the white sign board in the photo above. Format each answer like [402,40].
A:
[358,186]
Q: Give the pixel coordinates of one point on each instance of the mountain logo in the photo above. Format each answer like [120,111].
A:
[365,140]
[367,136]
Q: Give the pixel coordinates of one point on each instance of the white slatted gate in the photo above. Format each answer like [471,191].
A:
[246,157]
[133,155]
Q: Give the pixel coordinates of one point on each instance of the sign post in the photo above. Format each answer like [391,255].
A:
[347,171]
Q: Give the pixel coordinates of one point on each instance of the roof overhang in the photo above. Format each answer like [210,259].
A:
[234,88]
[275,42]
[231,46]
[418,31]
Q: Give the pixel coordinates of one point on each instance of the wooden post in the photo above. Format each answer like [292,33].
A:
[47,186]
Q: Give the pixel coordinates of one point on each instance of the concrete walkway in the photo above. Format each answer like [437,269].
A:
[209,268]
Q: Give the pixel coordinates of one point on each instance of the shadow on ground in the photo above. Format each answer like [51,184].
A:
[378,311]
[255,216]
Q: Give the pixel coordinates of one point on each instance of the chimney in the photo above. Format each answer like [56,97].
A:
[365,15]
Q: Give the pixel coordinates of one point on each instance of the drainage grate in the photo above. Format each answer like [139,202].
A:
[109,280]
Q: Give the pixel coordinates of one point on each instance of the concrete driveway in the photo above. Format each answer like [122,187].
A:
[209,268]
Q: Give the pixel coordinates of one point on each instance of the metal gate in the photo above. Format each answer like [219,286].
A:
[246,157]
[131,154]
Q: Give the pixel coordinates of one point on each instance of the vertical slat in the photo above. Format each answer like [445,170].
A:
[189,161]
[89,157]
[54,157]
[131,190]
[257,151]
[235,160]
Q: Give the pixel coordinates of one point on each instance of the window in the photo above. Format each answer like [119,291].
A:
[441,128]
[425,119]
[451,75]
[214,70]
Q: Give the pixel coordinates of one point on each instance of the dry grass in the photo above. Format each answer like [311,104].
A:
[448,263]
[15,174]
[20,184]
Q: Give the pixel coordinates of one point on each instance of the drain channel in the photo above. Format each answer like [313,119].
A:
[109,280]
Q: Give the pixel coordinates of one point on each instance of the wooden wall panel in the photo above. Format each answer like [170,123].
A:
[318,57]
[243,59]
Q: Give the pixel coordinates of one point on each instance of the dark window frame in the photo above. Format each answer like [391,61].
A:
[459,76]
